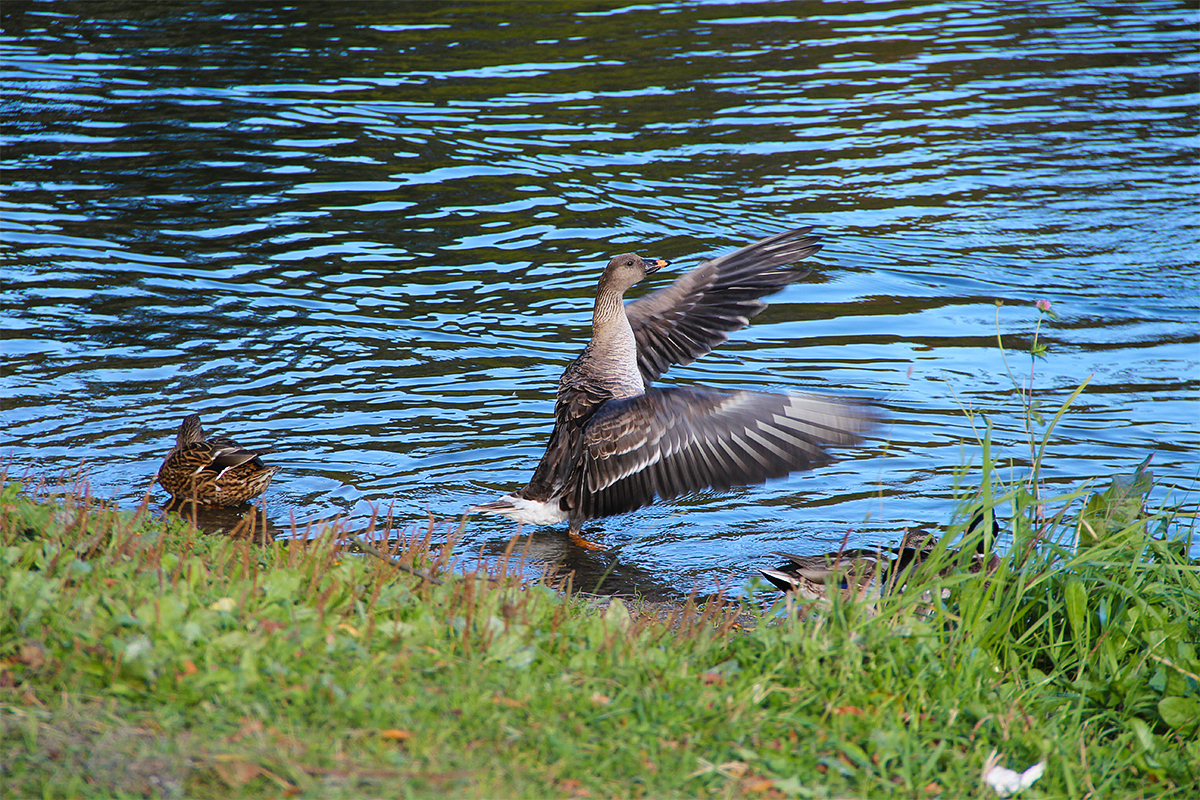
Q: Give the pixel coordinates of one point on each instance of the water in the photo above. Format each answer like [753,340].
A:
[370,237]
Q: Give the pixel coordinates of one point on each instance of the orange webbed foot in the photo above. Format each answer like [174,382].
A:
[578,539]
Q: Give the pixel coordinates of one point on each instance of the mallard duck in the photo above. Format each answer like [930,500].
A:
[215,471]
[618,443]
[863,573]
[858,573]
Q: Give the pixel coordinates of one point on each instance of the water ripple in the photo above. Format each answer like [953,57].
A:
[372,240]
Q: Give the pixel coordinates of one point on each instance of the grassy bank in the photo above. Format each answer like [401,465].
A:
[144,658]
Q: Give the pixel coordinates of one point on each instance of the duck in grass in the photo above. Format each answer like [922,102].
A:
[619,443]
[864,573]
[216,471]
[858,573]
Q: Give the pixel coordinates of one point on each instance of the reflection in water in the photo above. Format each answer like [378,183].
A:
[372,238]
[241,522]
[563,563]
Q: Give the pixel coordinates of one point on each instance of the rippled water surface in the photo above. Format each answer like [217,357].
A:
[368,235]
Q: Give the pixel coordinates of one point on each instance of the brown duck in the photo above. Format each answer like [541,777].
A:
[618,443]
[866,573]
[859,573]
[215,471]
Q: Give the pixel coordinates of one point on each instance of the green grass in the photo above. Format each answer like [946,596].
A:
[143,658]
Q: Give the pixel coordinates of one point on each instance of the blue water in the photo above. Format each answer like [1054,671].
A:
[369,238]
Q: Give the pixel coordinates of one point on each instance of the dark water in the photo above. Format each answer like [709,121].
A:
[368,234]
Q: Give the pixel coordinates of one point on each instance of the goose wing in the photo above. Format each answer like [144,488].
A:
[669,442]
[685,320]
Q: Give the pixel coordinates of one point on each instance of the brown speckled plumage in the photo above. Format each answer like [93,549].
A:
[865,573]
[215,471]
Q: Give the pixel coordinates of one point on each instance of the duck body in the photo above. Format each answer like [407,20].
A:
[214,471]
[864,573]
[858,573]
[619,442]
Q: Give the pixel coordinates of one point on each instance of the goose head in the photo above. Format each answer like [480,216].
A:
[627,269]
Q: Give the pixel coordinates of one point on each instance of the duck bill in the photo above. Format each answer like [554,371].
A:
[655,264]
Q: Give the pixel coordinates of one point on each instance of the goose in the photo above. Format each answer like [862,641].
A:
[216,471]
[619,443]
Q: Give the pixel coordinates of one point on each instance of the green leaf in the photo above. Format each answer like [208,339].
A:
[792,787]
[1077,613]
[1142,731]
[1158,681]
[857,755]
[617,614]
[1180,712]
[1119,506]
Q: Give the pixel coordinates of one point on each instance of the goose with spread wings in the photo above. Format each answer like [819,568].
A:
[618,443]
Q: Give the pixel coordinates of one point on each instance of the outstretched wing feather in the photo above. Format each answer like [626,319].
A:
[670,442]
[688,318]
